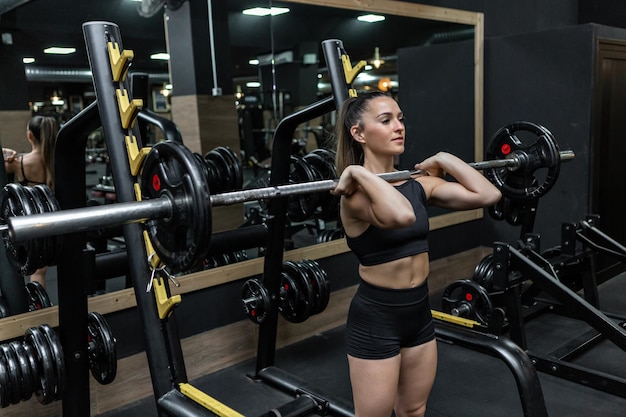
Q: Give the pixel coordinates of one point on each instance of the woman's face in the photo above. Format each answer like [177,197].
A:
[382,127]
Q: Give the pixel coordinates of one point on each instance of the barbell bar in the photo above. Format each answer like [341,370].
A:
[34,226]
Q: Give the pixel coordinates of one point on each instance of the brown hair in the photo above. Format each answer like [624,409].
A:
[349,151]
[45,132]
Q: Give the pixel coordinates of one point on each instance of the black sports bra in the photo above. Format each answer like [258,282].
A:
[26,181]
[376,246]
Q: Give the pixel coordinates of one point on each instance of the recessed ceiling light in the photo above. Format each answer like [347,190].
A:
[163,56]
[28,60]
[371,18]
[59,50]
[264,11]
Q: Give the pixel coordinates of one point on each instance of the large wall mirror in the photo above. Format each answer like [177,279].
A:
[432,56]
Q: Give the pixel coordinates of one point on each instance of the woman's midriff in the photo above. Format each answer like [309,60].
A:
[406,272]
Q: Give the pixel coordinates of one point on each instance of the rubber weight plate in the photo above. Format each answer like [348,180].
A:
[101,349]
[183,239]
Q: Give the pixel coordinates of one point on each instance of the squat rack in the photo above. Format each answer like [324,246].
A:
[116,111]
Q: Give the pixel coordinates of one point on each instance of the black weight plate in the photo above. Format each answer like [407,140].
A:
[57,358]
[543,153]
[45,386]
[14,202]
[53,243]
[289,296]
[204,168]
[36,257]
[5,386]
[328,202]
[469,295]
[47,244]
[31,357]
[255,300]
[306,303]
[14,374]
[312,274]
[170,170]
[101,349]
[224,175]
[236,170]
[28,379]
[483,272]
[37,296]
[301,207]
[213,175]
[321,282]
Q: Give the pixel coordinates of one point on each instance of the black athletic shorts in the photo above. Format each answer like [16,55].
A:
[383,320]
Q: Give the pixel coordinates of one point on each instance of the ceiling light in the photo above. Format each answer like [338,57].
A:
[59,50]
[371,18]
[253,61]
[264,11]
[28,60]
[376,61]
[163,56]
[253,84]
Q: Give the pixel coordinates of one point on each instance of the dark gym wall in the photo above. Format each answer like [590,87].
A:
[548,78]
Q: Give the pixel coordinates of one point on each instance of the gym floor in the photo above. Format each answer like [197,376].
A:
[468,383]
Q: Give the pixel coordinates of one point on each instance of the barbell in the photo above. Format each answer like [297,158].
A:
[176,203]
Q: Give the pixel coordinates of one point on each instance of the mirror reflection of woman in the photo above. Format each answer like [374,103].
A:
[37,166]
[390,336]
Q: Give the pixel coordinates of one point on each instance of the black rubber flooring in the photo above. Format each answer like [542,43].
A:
[468,383]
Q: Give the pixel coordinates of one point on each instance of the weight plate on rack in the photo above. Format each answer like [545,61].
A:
[301,207]
[223,177]
[5,386]
[28,379]
[236,172]
[256,300]
[14,374]
[37,296]
[306,301]
[323,164]
[46,384]
[53,243]
[15,202]
[320,283]
[58,359]
[289,296]
[101,349]
[170,170]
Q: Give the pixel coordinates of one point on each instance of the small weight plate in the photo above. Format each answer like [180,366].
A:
[101,349]
[256,300]
[5,386]
[57,359]
[44,391]
[28,379]
[14,374]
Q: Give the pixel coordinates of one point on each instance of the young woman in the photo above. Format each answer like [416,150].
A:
[390,337]
[36,166]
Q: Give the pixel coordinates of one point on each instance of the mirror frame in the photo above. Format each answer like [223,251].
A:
[14,326]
